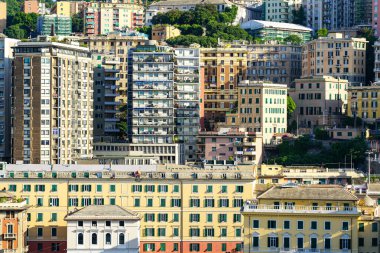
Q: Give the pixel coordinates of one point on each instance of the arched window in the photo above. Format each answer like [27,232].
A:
[80,239]
[121,238]
[108,238]
[94,239]
[345,242]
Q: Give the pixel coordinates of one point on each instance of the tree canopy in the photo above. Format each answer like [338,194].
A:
[323,32]
[291,105]
[21,25]
[203,20]
[294,39]
[77,23]
[299,16]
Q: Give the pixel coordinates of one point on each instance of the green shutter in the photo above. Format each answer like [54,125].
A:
[82,188]
[82,201]
[112,188]
[112,201]
[162,246]
[176,217]
[172,202]
[176,188]
[99,188]
[146,188]
[146,217]
[54,188]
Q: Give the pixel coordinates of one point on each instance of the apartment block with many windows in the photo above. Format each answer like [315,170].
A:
[181,208]
[52,107]
[363,102]
[337,56]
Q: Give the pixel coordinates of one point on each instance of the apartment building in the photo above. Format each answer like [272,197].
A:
[68,8]
[269,30]
[52,107]
[107,115]
[108,228]
[13,224]
[306,218]
[110,16]
[306,175]
[377,61]
[262,107]
[54,25]
[280,10]
[116,45]
[230,146]
[274,63]
[182,208]
[336,56]
[138,154]
[223,68]
[363,102]
[320,100]
[164,32]
[363,12]
[375,17]
[30,6]
[331,14]
[164,97]
[6,57]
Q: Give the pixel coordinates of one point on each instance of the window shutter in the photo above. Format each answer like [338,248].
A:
[146,217]
[146,188]
[36,188]
[57,202]
[220,203]
[340,244]
[268,242]
[82,188]
[213,203]
[276,242]
[153,216]
[349,243]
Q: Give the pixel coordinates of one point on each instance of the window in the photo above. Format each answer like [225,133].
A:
[286,224]
[136,188]
[121,238]
[374,242]
[222,218]
[256,223]
[195,188]
[26,188]
[327,243]
[53,232]
[175,231]
[327,225]
[239,189]
[361,227]
[175,247]
[80,223]
[161,232]
[39,246]
[149,232]
[345,225]
[255,241]
[223,202]
[80,239]
[94,223]
[175,217]
[208,232]
[194,232]
[272,224]
[40,232]
[54,188]
[345,243]
[149,216]
[176,188]
[53,217]
[209,247]
[108,238]
[209,217]
[374,227]
[223,232]
[272,242]
[149,188]
[209,189]
[162,246]
[94,239]
[194,247]
[149,202]
[361,242]
[136,202]
[237,232]
[108,223]
[162,188]
[163,217]
[238,202]
[209,203]
[149,247]
[300,224]
[162,202]
[40,216]
[194,217]
[112,188]
[237,217]
[194,203]
[313,225]
[176,203]
[224,246]
[121,223]
[55,246]
[224,189]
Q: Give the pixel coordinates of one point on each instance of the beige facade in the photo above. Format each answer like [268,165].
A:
[281,10]
[273,62]
[320,100]
[164,32]
[363,102]
[337,56]
[262,107]
[116,45]
[52,103]
[3,16]
[223,69]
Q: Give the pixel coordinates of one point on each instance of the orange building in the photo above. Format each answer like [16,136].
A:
[13,220]
[30,6]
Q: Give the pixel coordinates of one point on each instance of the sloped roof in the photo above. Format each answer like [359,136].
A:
[258,24]
[308,193]
[105,212]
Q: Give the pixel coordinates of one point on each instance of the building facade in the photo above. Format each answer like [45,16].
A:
[110,16]
[363,102]
[54,25]
[6,57]
[269,30]
[306,218]
[108,228]
[273,62]
[13,220]
[164,32]
[52,108]
[3,16]
[336,56]
[31,6]
[222,68]
[230,145]
[280,10]
[262,107]
[320,100]
[182,208]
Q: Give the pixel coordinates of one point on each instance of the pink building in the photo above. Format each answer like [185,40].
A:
[230,146]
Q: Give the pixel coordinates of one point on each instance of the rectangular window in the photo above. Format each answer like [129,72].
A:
[53,232]
[286,224]
[361,242]
[374,242]
[239,189]
[209,217]
[194,217]
[224,246]
[136,202]
[176,188]
[175,231]
[209,189]
[175,217]
[374,227]
[149,202]
[224,189]
[26,188]
[195,189]
[53,217]
[162,188]
[54,188]
[361,227]
[40,216]
[237,217]
[255,242]
[209,247]
[222,218]
[272,224]
[136,188]
[194,247]
[345,225]
[149,188]
[300,224]
[162,202]
[256,223]
[327,225]
[313,225]
[112,188]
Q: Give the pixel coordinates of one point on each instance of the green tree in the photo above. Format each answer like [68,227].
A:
[147,30]
[13,7]
[77,23]
[321,134]
[370,53]
[299,16]
[294,39]
[16,32]
[323,32]
[290,106]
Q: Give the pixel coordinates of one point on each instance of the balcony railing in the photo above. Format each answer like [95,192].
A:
[259,208]
[9,236]
[247,248]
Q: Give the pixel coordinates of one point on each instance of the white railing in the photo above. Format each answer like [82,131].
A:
[299,209]
[248,248]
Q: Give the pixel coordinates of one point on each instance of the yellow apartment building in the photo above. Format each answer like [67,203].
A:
[335,55]
[223,69]
[363,102]
[183,208]
[320,100]
[292,218]
[63,8]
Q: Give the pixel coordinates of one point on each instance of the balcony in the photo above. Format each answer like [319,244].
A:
[9,236]
[262,208]
[295,250]
[251,152]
